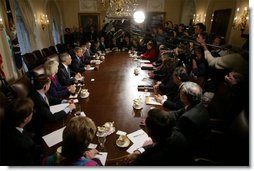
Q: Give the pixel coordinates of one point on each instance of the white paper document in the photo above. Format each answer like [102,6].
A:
[54,137]
[138,138]
[144,61]
[58,108]
[152,101]
[102,156]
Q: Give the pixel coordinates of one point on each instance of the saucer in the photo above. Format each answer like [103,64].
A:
[125,144]
[85,95]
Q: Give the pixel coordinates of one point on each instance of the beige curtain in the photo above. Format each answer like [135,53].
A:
[50,13]
[53,11]
[27,16]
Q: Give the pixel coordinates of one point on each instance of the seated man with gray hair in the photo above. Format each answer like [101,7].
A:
[193,119]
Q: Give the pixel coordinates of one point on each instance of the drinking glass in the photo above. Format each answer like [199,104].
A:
[101,139]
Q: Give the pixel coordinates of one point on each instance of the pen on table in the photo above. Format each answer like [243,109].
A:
[99,154]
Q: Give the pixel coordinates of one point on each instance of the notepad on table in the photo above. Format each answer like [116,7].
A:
[152,101]
[102,156]
[145,66]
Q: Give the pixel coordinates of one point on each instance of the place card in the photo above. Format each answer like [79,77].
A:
[92,146]
[121,132]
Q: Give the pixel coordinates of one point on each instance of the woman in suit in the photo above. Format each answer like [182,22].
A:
[56,89]
[77,135]
[151,52]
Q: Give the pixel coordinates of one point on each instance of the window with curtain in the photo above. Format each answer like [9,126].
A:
[22,33]
[55,32]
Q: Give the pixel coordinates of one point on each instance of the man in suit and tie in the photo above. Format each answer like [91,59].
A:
[76,63]
[18,148]
[65,75]
[193,119]
[88,54]
[42,104]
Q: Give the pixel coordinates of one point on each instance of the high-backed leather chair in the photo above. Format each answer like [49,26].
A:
[45,52]
[60,48]
[30,60]
[39,56]
[52,50]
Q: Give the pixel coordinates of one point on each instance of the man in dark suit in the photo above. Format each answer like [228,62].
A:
[193,119]
[88,54]
[76,63]
[18,148]
[171,99]
[65,75]
[169,146]
[42,103]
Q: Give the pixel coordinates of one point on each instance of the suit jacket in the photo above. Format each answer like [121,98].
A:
[77,65]
[88,57]
[102,46]
[172,152]
[57,90]
[19,149]
[64,77]
[42,114]
[193,123]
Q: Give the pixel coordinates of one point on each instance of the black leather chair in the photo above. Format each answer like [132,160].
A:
[46,52]
[39,56]
[60,48]
[52,50]
[30,60]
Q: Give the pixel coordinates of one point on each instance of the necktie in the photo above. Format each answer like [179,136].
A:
[46,99]
[69,72]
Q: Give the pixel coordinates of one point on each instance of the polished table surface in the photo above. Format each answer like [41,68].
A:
[111,98]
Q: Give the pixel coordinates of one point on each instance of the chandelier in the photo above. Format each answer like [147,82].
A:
[119,8]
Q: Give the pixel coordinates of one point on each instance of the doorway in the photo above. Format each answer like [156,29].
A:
[220,22]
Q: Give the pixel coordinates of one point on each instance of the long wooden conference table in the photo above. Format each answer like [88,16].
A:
[112,88]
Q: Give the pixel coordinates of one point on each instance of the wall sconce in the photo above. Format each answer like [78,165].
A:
[44,21]
[212,18]
[196,18]
[1,24]
[241,20]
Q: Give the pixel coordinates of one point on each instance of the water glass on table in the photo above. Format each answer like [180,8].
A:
[101,138]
